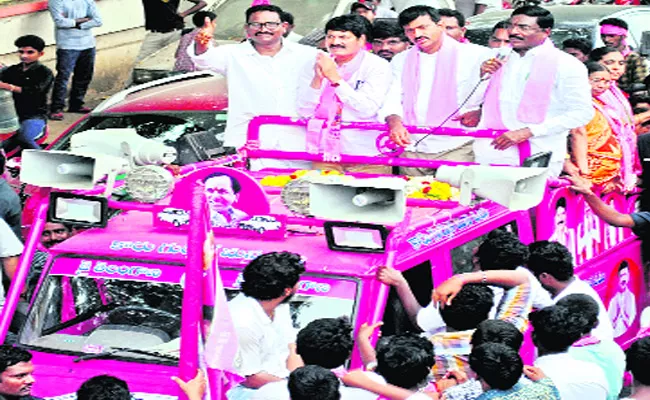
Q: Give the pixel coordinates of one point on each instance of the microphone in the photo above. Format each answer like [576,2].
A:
[502,55]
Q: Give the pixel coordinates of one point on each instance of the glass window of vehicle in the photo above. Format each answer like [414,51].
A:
[78,315]
[307,14]
[170,128]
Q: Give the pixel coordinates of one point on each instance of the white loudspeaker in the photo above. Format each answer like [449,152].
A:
[123,142]
[373,200]
[64,170]
[516,188]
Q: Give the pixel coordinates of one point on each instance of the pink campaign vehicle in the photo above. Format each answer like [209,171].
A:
[134,296]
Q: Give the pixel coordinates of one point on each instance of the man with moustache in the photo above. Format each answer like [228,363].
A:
[430,82]
[16,369]
[539,94]
[263,325]
[388,39]
[262,77]
[349,84]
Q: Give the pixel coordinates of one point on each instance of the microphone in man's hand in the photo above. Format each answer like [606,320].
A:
[502,55]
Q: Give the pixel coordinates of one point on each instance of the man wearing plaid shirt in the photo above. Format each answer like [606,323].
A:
[465,301]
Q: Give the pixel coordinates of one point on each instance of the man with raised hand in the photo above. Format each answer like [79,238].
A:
[262,75]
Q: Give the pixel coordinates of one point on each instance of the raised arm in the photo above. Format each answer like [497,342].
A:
[602,210]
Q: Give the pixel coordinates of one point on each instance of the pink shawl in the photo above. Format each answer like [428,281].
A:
[324,131]
[619,114]
[443,98]
[537,91]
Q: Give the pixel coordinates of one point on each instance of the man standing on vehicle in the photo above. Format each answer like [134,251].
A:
[262,75]
[430,83]
[388,39]
[529,93]
[75,53]
[613,32]
[349,84]
[16,368]
[263,325]
[164,24]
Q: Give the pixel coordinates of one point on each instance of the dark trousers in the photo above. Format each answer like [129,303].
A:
[81,65]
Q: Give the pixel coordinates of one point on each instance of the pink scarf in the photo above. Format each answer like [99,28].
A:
[618,31]
[619,115]
[443,98]
[537,92]
[324,131]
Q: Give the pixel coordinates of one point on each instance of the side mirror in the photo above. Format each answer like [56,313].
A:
[644,47]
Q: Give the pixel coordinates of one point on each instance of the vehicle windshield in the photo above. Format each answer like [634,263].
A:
[180,130]
[77,315]
[558,35]
[307,15]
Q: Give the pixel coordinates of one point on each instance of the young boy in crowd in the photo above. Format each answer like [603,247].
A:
[29,82]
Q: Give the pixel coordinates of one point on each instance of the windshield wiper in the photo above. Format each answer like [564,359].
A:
[79,318]
[114,350]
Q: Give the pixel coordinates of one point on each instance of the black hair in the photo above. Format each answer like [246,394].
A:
[30,41]
[448,12]
[500,366]
[614,21]
[313,382]
[497,331]
[638,99]
[405,360]
[638,359]
[412,13]
[598,53]
[354,23]
[502,250]
[550,257]
[326,342]
[198,19]
[104,387]
[624,264]
[236,187]
[544,17]
[593,66]
[267,276]
[10,356]
[561,202]
[286,17]
[583,310]
[263,7]
[554,330]
[501,25]
[470,307]
[387,29]
[357,5]
[578,43]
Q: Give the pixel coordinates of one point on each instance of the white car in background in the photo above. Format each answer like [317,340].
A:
[175,216]
[260,224]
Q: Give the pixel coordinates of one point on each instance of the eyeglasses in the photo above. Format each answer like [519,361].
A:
[259,25]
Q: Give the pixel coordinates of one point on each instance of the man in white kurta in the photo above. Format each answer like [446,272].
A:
[262,75]
[568,97]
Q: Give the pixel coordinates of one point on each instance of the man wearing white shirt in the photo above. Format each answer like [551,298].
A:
[539,94]
[262,79]
[552,264]
[554,331]
[10,250]
[263,324]
[349,84]
[430,82]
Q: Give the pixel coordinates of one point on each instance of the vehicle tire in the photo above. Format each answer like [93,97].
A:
[176,223]
[261,230]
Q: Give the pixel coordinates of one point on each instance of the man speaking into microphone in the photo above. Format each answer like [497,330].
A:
[538,94]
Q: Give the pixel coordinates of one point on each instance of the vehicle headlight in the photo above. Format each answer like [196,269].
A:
[149,183]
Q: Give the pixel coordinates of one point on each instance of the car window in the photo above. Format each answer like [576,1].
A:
[307,16]
[165,128]
[558,35]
